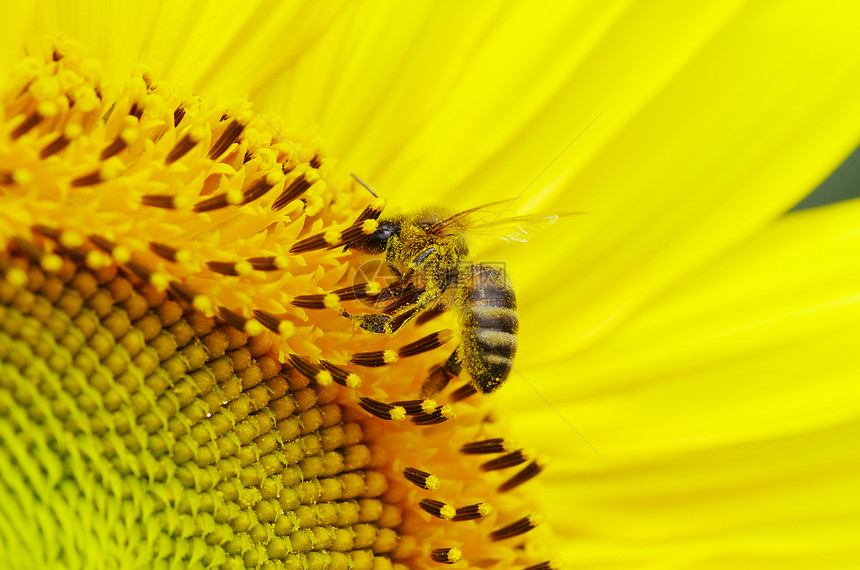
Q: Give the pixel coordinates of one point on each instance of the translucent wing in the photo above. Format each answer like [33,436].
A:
[488,221]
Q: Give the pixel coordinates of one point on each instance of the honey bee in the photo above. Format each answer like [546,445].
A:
[428,253]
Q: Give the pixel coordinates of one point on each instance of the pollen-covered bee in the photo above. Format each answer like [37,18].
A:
[428,254]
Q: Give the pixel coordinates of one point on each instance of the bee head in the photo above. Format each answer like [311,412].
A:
[378,240]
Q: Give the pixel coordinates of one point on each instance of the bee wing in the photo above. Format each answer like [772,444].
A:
[516,228]
[463,220]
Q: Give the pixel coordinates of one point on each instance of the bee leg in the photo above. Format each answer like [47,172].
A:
[441,374]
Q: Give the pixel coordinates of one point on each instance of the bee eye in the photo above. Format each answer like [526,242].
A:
[378,240]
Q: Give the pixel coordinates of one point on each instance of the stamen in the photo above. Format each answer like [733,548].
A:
[493,445]
[271,263]
[473,512]
[505,461]
[296,188]
[527,472]
[544,566]
[421,479]
[228,137]
[312,371]
[341,376]
[439,415]
[446,555]
[516,528]
[382,410]
[429,342]
[375,358]
[438,509]
[274,323]
[192,138]
[178,115]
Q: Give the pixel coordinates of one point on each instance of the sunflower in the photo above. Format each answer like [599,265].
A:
[179,386]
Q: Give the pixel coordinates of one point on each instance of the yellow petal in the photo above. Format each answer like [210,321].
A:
[726,413]
[680,130]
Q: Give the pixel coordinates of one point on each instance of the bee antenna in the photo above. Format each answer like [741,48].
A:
[365,185]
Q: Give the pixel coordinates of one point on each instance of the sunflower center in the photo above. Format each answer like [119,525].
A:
[179,381]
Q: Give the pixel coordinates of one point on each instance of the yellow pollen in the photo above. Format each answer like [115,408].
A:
[428,405]
[47,109]
[130,134]
[52,263]
[448,411]
[183,256]
[244,267]
[369,226]
[353,380]
[373,288]
[22,177]
[111,168]
[98,259]
[485,509]
[234,196]
[160,281]
[286,329]
[378,204]
[17,277]
[253,327]
[432,483]
[281,261]
[447,512]
[389,356]
[197,132]
[455,555]
[332,236]
[324,378]
[183,203]
[398,413]
[121,254]
[274,177]
[332,301]
[71,238]
[203,304]
[73,131]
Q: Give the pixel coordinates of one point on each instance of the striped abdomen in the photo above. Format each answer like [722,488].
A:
[489,327]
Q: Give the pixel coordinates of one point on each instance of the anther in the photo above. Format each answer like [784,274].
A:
[421,479]
[341,376]
[529,471]
[191,139]
[274,323]
[227,138]
[493,445]
[223,267]
[261,186]
[429,342]
[164,251]
[296,188]
[31,121]
[437,416]
[382,410]
[415,407]
[438,509]
[446,555]
[178,115]
[505,461]
[516,528]
[271,263]
[375,358]
[473,512]
[311,371]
